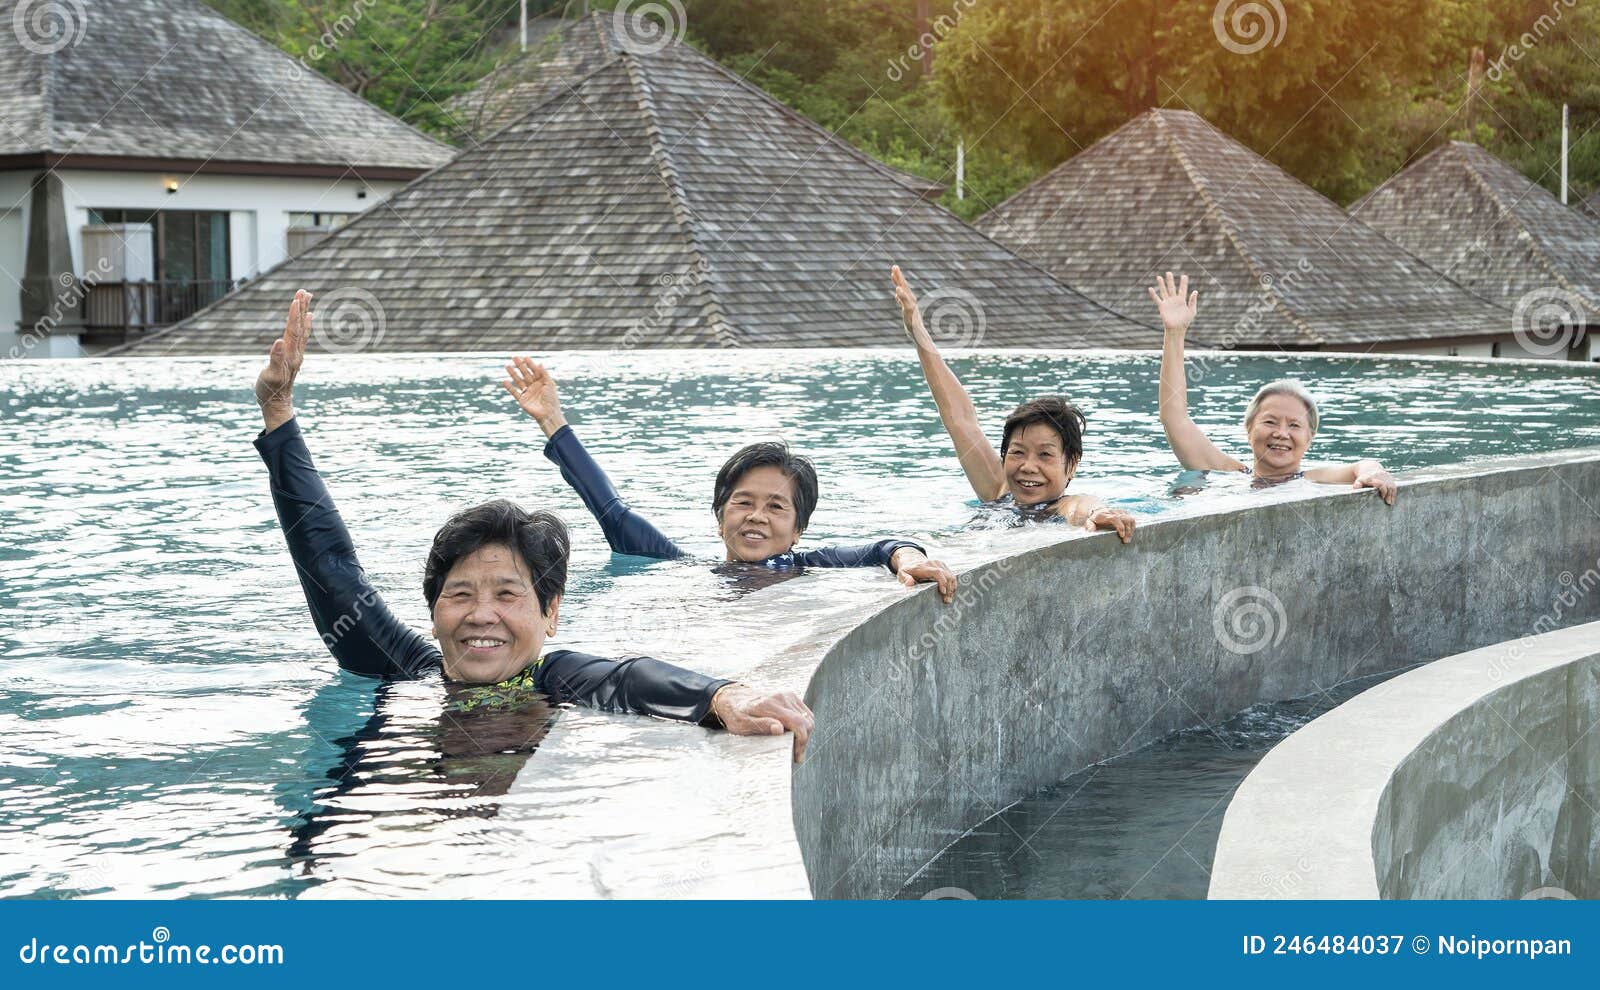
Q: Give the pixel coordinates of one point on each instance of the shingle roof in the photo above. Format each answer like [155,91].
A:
[658,201]
[1276,263]
[174,80]
[560,52]
[1486,225]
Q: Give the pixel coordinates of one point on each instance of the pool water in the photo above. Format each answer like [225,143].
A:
[170,724]
[1141,826]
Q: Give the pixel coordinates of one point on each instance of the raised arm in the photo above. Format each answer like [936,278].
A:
[1193,448]
[355,624]
[625,530]
[1357,474]
[978,458]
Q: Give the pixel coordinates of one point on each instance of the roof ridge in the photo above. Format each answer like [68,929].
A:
[1044,179]
[273,49]
[366,216]
[1355,207]
[897,176]
[1214,210]
[1539,252]
[705,274]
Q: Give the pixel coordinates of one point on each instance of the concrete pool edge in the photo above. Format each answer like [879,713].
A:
[1372,799]
[915,746]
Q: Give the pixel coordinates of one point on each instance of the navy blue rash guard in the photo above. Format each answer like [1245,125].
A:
[367,639]
[630,533]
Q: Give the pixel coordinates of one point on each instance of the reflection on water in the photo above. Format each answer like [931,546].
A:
[1140,826]
[170,724]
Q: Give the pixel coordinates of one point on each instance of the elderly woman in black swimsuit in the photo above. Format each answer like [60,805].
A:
[1279,423]
[1041,443]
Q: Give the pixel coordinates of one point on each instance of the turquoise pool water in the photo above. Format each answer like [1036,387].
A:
[171,726]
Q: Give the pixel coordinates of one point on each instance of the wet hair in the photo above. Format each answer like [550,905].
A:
[773,453]
[1054,411]
[1283,386]
[540,538]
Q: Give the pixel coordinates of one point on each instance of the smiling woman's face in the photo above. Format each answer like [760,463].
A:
[487,618]
[759,520]
[1280,435]
[1036,467]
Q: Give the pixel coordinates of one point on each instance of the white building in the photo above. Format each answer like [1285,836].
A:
[153,154]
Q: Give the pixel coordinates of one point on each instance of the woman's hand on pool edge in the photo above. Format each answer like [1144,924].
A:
[1371,474]
[1106,517]
[745,711]
[534,388]
[912,568]
[275,383]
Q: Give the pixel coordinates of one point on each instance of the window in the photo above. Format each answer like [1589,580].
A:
[333,221]
[190,245]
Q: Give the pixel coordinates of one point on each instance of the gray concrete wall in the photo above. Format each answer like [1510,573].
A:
[1474,777]
[1500,800]
[930,718]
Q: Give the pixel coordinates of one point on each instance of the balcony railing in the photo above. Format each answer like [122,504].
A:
[128,309]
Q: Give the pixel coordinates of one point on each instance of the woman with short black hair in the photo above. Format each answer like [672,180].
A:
[493,582]
[762,499]
[1041,444]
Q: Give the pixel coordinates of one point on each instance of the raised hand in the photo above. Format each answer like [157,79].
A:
[1177,304]
[535,391]
[275,384]
[744,711]
[908,309]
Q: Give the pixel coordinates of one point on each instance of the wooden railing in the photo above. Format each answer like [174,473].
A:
[132,308]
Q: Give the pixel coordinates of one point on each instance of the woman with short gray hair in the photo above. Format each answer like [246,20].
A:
[1279,423]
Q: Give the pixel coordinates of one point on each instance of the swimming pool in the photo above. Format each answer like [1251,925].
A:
[172,726]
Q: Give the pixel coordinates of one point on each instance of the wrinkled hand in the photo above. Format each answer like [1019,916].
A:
[1177,304]
[1106,517]
[908,308]
[912,568]
[1380,480]
[745,711]
[535,391]
[275,384]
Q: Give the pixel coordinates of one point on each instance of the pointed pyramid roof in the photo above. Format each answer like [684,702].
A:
[1486,225]
[1276,263]
[657,201]
[142,82]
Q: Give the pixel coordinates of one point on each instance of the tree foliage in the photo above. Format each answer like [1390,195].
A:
[1341,93]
